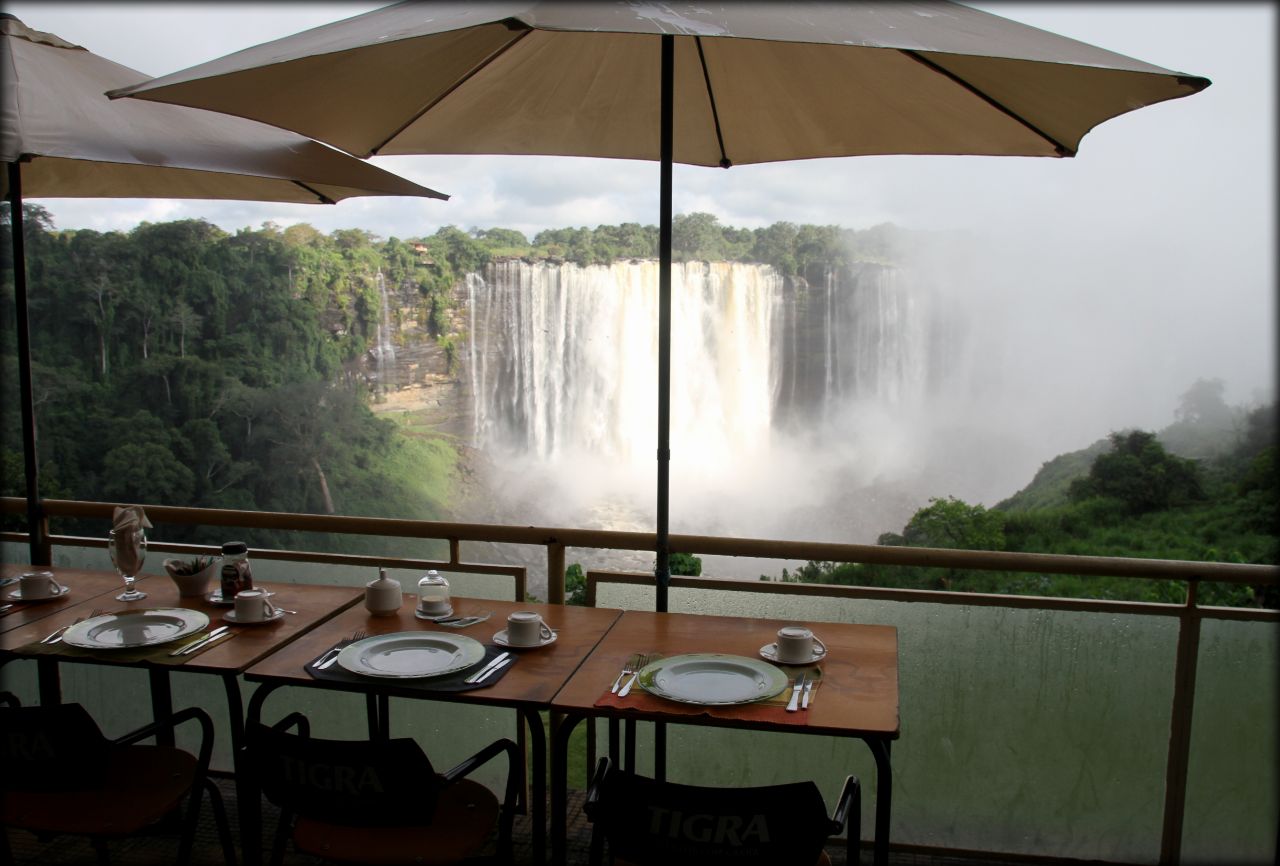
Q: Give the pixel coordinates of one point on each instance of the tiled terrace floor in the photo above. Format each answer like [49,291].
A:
[162,850]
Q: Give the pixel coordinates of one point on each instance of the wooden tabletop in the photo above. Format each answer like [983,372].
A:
[859,693]
[249,643]
[85,586]
[533,680]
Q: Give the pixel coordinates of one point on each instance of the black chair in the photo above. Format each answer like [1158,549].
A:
[62,776]
[379,801]
[647,823]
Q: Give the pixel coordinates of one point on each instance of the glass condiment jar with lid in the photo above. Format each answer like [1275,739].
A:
[433,595]
[236,573]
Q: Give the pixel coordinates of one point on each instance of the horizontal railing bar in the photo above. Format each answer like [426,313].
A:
[932,596]
[1040,563]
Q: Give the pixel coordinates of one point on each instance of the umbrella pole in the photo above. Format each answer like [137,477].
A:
[662,568]
[39,545]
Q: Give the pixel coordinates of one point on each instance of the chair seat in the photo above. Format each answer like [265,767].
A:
[463,819]
[129,790]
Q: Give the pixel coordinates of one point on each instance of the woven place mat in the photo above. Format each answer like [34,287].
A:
[452,683]
[158,654]
[772,709]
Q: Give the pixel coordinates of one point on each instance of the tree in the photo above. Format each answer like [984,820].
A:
[1141,474]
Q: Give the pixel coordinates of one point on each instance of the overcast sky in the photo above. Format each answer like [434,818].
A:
[1176,199]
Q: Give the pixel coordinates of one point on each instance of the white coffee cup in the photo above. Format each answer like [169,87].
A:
[526,628]
[252,605]
[39,584]
[796,645]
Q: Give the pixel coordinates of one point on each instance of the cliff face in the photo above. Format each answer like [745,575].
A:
[545,358]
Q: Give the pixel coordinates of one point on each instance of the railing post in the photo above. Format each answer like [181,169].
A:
[555,573]
[1184,699]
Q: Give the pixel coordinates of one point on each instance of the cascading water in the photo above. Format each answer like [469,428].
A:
[563,359]
[384,352]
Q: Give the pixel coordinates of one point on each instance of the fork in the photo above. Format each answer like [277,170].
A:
[641,662]
[332,655]
[56,635]
[628,669]
[796,688]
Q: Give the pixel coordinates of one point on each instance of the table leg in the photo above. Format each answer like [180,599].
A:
[560,788]
[248,797]
[49,682]
[884,799]
[235,711]
[538,812]
[161,703]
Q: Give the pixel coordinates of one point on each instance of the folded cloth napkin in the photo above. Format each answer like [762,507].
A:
[127,522]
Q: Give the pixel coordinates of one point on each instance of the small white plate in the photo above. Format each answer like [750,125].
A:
[435,617]
[16,595]
[501,640]
[769,652]
[215,597]
[230,616]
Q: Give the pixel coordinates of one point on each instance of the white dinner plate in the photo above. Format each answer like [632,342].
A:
[411,654]
[501,640]
[230,616]
[135,628]
[712,679]
[16,595]
[770,652]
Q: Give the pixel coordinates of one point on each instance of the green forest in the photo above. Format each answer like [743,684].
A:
[177,363]
[1202,489]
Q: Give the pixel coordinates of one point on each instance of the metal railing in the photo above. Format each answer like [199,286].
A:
[555,541]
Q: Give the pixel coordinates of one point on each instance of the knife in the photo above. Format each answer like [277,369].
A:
[194,645]
[804,701]
[796,688]
[330,656]
[493,669]
[626,690]
[484,671]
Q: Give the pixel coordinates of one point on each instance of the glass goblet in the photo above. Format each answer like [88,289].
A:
[128,551]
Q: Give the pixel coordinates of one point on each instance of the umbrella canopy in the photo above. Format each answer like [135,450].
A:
[703,84]
[61,137]
[74,142]
[754,82]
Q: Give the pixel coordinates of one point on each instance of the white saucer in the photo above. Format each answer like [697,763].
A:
[501,640]
[215,597]
[769,652]
[16,595]
[230,616]
[435,617]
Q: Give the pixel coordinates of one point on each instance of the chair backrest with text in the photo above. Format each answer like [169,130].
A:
[361,783]
[650,822]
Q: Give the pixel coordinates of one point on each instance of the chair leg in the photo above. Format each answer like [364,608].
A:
[220,821]
[190,823]
[100,848]
[281,837]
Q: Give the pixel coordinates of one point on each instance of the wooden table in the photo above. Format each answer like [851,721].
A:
[228,657]
[528,687]
[84,585]
[858,694]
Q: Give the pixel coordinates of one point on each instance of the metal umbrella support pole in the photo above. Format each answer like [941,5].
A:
[39,544]
[662,568]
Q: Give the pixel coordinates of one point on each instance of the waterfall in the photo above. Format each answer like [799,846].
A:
[384,352]
[563,359]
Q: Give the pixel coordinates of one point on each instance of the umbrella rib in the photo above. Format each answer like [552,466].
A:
[725,162]
[324,199]
[511,24]
[1062,149]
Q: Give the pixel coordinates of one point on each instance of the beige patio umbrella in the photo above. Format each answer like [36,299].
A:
[61,137]
[697,83]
